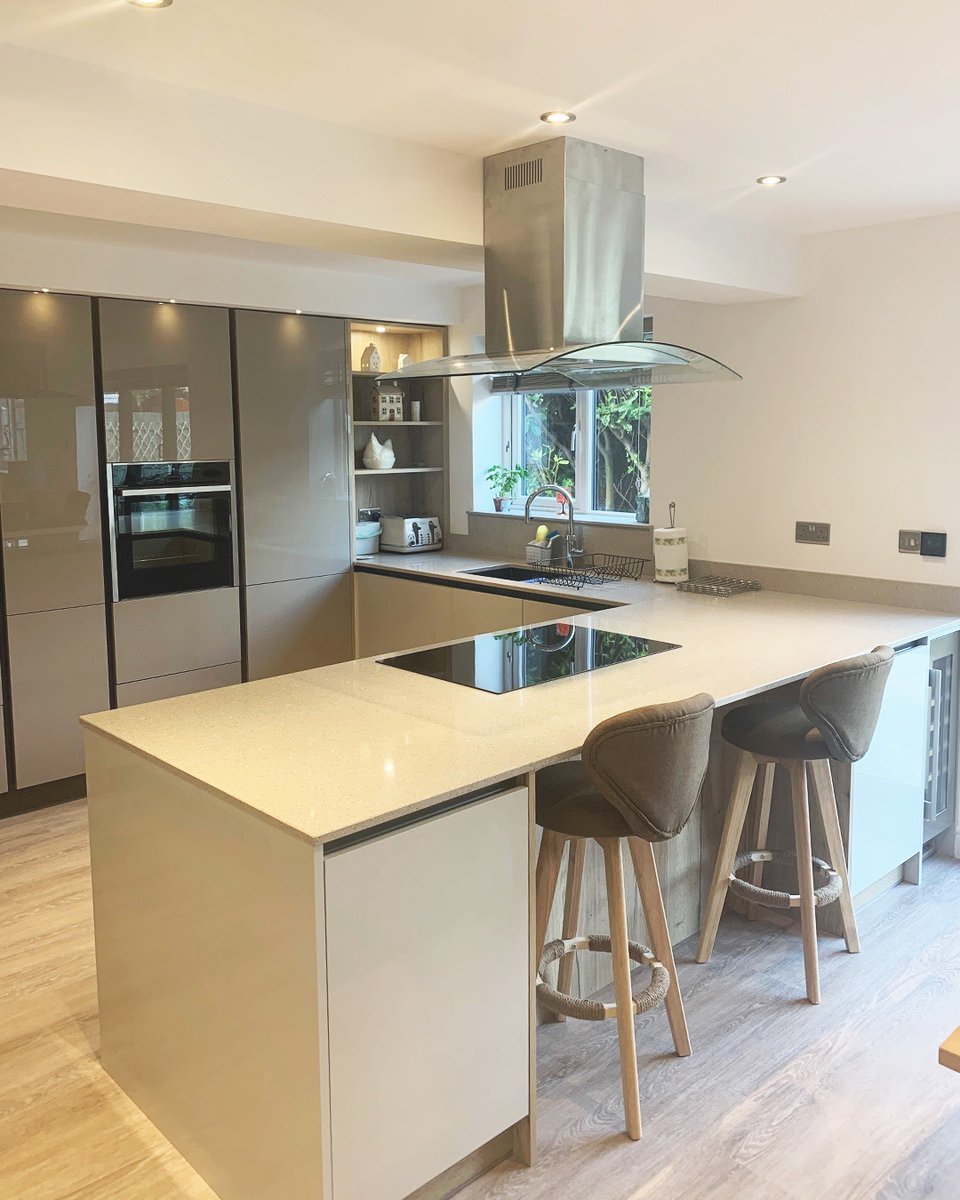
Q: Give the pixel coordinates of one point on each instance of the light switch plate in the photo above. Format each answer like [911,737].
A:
[909,541]
[816,533]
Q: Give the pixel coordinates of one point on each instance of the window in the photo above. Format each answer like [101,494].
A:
[596,444]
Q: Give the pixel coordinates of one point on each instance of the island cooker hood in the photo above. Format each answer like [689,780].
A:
[563,267]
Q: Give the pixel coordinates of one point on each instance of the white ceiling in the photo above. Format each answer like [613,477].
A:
[855,100]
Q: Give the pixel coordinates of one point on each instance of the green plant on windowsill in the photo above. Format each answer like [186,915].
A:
[504,482]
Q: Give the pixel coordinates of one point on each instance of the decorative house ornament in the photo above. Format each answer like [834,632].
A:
[387,403]
[379,456]
[402,361]
[370,359]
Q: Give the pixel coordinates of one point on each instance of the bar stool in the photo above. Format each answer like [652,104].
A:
[638,780]
[835,719]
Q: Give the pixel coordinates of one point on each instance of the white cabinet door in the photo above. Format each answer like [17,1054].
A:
[428,995]
[887,784]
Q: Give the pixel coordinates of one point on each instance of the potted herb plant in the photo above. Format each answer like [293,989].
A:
[504,482]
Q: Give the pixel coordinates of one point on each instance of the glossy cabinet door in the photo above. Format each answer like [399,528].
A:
[292,391]
[58,668]
[887,784]
[297,624]
[49,474]
[393,614]
[166,381]
[167,635]
[143,691]
[432,921]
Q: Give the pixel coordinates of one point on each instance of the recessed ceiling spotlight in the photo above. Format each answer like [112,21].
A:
[557,117]
[150,3]
[298,311]
[771,180]
[44,290]
[172,302]
[380,328]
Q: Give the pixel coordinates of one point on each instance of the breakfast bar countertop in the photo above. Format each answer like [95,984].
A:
[326,753]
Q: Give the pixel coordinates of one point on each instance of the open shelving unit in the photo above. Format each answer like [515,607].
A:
[418,484]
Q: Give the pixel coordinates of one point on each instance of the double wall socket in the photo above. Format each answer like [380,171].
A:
[817,533]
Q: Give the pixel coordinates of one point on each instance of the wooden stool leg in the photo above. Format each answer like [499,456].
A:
[823,789]
[648,883]
[571,912]
[622,987]
[808,911]
[548,872]
[767,774]
[729,842]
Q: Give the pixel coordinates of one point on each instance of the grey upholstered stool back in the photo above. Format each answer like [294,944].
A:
[649,763]
[843,701]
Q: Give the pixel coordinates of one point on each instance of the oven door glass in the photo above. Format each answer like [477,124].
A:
[180,542]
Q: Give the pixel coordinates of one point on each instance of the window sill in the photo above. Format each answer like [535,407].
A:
[547,514]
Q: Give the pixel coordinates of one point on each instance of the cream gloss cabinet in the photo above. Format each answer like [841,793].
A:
[291,381]
[50,513]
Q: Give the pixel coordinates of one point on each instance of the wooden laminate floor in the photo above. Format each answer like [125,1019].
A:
[780,1101]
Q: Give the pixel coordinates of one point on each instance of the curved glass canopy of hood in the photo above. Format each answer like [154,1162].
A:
[604,364]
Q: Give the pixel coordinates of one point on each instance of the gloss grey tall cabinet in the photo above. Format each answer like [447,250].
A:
[291,389]
[52,545]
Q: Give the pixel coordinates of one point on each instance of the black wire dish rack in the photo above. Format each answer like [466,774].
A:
[589,570]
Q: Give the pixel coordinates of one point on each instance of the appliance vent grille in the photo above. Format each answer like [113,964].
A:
[522,174]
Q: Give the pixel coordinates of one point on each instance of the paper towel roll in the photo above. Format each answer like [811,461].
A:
[670,555]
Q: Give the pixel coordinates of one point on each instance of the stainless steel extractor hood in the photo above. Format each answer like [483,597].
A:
[563,265]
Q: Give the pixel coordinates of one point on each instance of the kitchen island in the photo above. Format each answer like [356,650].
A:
[313,893]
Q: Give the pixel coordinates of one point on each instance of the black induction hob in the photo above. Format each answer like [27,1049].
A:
[522,658]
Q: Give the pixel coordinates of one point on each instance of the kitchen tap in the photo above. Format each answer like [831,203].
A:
[555,489]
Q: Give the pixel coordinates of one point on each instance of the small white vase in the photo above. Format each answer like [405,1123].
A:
[379,456]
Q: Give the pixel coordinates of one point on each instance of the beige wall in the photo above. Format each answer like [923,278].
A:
[847,412]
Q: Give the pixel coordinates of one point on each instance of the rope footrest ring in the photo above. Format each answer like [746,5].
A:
[595,1010]
[831,885]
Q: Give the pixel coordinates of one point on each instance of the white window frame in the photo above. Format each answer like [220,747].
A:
[583,466]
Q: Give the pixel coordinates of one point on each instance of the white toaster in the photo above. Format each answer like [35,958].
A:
[409,535]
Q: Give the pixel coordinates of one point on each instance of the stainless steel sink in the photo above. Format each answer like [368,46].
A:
[508,571]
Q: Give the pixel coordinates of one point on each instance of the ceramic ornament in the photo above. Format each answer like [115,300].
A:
[379,456]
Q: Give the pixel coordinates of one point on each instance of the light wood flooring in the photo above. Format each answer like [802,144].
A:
[779,1101]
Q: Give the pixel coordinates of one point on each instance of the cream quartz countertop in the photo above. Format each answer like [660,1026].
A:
[329,752]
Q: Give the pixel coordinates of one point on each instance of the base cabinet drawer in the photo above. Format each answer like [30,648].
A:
[58,672]
[428,995]
[183,684]
[165,635]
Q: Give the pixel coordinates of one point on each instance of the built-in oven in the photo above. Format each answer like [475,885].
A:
[172,528]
